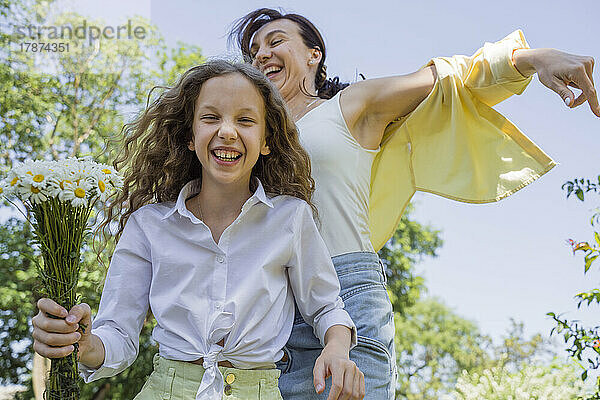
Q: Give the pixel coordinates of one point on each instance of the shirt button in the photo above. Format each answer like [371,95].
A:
[220,259]
[227,390]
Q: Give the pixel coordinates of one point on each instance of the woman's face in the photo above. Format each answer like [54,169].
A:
[229,129]
[278,51]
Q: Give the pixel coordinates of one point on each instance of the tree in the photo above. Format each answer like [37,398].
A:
[583,343]
[554,382]
[434,345]
[73,111]
[411,242]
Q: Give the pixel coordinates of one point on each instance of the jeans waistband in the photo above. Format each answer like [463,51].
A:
[359,260]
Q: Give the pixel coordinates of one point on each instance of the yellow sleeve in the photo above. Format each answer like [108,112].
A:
[454,144]
[490,74]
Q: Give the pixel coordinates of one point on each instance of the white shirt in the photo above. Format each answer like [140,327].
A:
[241,289]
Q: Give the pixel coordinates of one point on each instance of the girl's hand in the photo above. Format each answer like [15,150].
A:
[54,338]
[558,70]
[347,382]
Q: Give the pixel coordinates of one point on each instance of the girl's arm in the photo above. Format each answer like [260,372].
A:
[335,357]
[123,307]
[369,106]
[316,289]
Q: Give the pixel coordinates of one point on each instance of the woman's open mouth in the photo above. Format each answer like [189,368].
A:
[272,71]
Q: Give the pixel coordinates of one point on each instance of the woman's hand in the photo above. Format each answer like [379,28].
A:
[54,338]
[558,70]
[347,381]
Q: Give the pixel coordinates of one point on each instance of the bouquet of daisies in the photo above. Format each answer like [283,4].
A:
[60,196]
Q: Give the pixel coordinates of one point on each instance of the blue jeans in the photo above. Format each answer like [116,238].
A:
[363,289]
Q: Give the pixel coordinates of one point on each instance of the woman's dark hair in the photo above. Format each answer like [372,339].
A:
[249,24]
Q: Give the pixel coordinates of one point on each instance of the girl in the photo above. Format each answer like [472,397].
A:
[376,142]
[218,239]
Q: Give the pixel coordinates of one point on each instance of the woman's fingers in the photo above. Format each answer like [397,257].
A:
[559,87]
[587,86]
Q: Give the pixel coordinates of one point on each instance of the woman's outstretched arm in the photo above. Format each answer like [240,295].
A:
[369,106]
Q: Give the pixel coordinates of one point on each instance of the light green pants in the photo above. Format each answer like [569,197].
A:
[180,380]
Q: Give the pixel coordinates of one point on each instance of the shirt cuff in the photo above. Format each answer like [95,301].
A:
[337,316]
[500,57]
[110,367]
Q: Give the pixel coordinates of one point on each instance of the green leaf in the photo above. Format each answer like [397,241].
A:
[579,194]
[584,375]
[589,261]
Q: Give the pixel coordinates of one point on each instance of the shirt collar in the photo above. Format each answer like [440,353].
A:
[193,187]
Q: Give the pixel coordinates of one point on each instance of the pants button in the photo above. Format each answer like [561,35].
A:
[227,390]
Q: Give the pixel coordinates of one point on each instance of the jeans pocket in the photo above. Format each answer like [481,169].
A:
[169,377]
[373,354]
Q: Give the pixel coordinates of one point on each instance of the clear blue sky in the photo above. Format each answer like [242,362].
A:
[502,260]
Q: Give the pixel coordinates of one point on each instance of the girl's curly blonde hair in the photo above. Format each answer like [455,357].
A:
[156,162]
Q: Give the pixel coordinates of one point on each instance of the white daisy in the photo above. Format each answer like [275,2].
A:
[101,186]
[36,195]
[77,192]
[112,175]
[56,188]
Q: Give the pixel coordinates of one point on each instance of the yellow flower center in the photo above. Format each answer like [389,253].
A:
[62,186]
[106,171]
[79,192]
[1,190]
[14,181]
[101,186]
[35,190]
[38,178]
[29,173]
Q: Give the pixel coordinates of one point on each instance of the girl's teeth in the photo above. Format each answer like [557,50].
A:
[226,155]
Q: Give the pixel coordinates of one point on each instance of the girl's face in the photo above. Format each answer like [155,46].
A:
[229,129]
[278,51]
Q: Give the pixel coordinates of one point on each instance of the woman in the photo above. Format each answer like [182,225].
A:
[375,143]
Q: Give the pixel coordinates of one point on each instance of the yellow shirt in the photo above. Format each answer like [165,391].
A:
[454,144]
